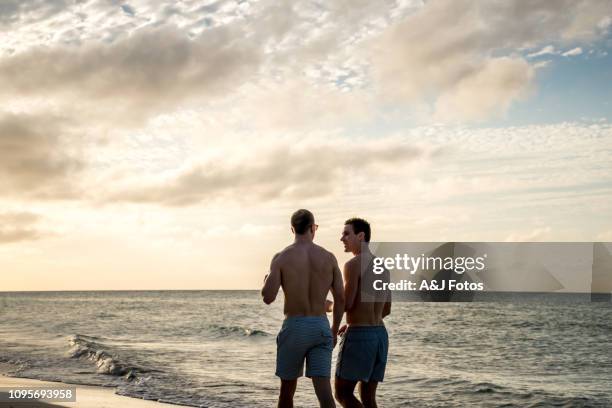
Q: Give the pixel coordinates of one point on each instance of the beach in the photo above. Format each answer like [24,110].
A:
[87,396]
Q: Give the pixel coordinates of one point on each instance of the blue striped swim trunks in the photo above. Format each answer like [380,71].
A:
[304,338]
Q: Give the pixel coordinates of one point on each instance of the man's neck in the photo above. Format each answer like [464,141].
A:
[302,239]
[359,251]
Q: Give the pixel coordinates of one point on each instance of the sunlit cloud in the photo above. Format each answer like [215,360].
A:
[272,172]
[491,91]
[573,52]
[134,127]
[535,235]
[548,50]
[19,226]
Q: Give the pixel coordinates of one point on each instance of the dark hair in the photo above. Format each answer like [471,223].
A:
[301,220]
[360,225]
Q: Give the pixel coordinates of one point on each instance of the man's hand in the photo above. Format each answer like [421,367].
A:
[338,332]
[337,290]
[328,305]
[334,331]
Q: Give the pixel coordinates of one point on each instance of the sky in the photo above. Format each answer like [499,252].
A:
[165,144]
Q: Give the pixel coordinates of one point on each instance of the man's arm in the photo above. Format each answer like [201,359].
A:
[337,290]
[272,282]
[351,282]
[387,307]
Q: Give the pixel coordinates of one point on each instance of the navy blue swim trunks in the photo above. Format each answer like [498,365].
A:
[363,354]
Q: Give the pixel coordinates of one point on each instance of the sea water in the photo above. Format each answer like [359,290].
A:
[217,348]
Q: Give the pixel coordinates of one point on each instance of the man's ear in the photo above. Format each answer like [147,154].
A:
[361,236]
[292,230]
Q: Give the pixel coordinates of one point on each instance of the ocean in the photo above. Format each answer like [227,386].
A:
[217,348]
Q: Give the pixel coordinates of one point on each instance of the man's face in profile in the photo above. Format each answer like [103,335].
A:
[349,239]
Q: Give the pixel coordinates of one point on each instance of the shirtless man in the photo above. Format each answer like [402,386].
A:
[307,272]
[362,356]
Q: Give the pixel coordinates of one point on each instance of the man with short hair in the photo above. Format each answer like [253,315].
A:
[362,356]
[307,272]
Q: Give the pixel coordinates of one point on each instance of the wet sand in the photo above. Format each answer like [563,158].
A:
[86,396]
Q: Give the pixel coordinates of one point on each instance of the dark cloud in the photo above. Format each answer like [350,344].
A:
[152,70]
[28,11]
[18,226]
[297,172]
[33,157]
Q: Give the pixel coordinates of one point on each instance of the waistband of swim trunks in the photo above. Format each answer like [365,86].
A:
[366,328]
[306,318]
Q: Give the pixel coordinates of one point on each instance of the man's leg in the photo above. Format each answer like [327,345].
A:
[323,390]
[344,393]
[367,392]
[285,399]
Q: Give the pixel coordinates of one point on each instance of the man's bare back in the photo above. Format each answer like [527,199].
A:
[307,275]
[306,272]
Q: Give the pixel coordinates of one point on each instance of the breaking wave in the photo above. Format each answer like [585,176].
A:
[236,331]
[87,347]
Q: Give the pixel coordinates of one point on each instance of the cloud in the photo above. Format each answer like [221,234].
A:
[605,236]
[573,52]
[585,19]
[308,169]
[411,65]
[541,64]
[537,234]
[28,11]
[548,50]
[123,67]
[18,226]
[296,105]
[153,69]
[489,92]
[605,23]
[34,158]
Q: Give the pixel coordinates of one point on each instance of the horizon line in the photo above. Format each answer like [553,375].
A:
[257,289]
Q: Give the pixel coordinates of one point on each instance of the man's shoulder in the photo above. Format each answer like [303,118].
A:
[283,253]
[356,260]
[353,263]
[322,251]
